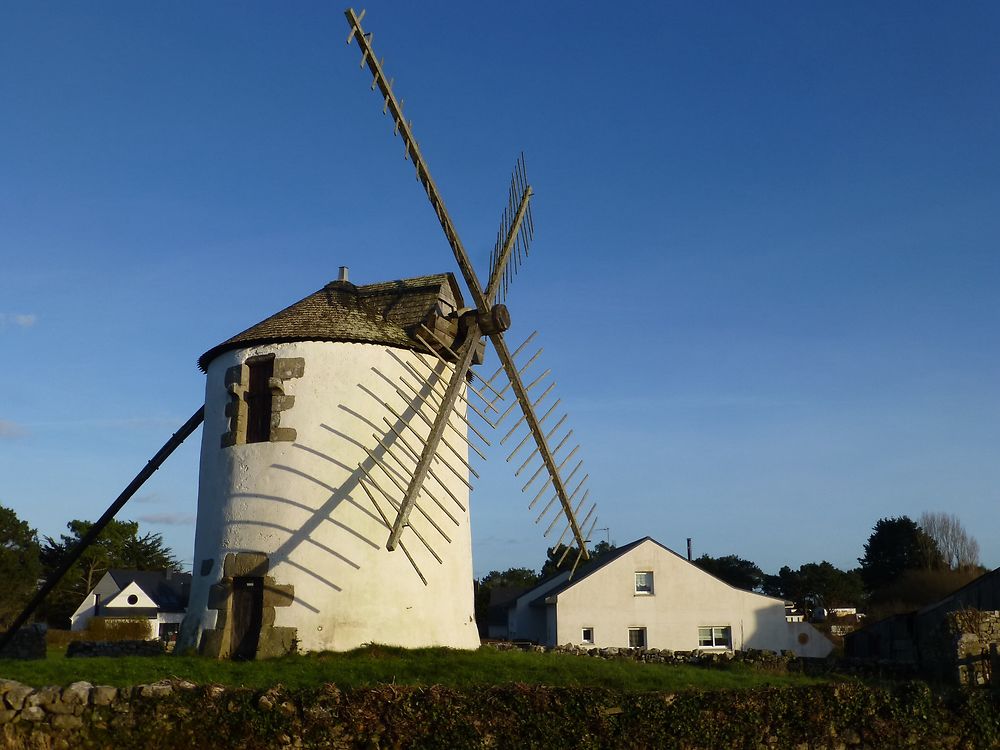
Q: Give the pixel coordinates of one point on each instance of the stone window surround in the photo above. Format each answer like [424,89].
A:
[237,382]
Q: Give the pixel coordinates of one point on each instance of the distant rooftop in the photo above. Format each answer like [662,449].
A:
[169,589]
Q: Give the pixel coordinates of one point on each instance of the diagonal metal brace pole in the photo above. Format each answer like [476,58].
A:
[74,554]
[436,433]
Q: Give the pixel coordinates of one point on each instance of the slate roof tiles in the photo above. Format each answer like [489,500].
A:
[383,313]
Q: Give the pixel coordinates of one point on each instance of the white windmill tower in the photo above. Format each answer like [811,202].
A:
[289,547]
[333,502]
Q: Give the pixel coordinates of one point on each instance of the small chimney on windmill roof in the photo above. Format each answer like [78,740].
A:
[343,274]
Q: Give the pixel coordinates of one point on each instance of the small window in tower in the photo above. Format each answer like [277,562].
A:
[258,398]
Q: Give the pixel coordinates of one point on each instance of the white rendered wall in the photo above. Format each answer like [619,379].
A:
[684,598]
[300,504]
[105,589]
[527,621]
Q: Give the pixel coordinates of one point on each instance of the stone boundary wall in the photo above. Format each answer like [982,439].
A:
[173,714]
[116,648]
[962,648]
[975,646]
[786,661]
[27,643]
[701,657]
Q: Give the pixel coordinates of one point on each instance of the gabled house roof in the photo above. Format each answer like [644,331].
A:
[983,592]
[595,565]
[592,567]
[385,313]
[168,589]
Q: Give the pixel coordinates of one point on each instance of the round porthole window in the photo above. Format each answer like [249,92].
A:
[803,638]
[132,599]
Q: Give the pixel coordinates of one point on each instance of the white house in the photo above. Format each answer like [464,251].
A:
[646,595]
[160,596]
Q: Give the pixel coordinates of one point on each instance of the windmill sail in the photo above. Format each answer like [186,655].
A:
[488,318]
[513,238]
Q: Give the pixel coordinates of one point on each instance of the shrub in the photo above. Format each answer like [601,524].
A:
[117,629]
[56,638]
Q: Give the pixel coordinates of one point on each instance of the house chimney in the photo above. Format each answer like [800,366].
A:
[343,274]
[689,549]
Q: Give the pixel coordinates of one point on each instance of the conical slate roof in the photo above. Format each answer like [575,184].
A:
[385,313]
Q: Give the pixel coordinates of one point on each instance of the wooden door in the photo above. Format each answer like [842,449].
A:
[248,610]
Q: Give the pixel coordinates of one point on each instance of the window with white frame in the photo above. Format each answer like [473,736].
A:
[715,636]
[587,635]
[644,582]
[637,637]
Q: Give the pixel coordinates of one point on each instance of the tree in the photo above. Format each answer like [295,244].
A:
[743,574]
[960,551]
[817,585]
[896,545]
[19,565]
[522,578]
[555,554]
[118,546]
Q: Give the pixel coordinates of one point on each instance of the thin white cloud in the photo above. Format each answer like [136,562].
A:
[21,320]
[169,519]
[136,423]
[10,429]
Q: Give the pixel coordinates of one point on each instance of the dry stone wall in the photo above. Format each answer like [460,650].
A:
[180,714]
[27,643]
[962,648]
[975,646]
[116,648]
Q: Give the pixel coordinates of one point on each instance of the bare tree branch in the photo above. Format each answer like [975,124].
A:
[960,550]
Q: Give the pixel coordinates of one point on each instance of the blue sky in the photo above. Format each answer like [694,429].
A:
[765,267]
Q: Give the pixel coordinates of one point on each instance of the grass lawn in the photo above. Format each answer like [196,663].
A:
[375,665]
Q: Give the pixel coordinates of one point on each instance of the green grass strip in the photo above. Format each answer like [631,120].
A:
[381,665]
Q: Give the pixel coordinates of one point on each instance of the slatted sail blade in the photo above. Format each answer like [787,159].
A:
[510,250]
[445,408]
[421,448]
[514,236]
[404,129]
[564,481]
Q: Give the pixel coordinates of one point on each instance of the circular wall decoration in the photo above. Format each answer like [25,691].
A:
[803,638]
[132,599]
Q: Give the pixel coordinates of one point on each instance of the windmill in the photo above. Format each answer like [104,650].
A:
[489,317]
[335,462]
